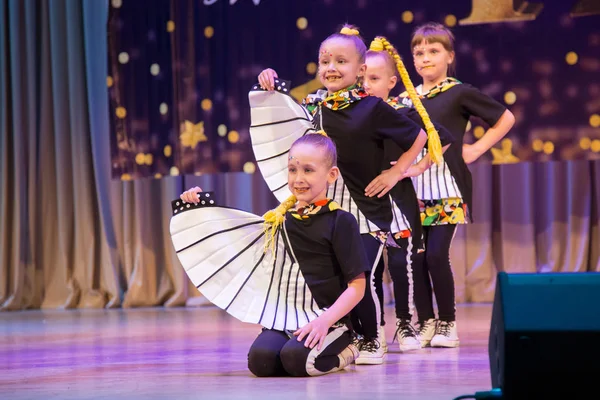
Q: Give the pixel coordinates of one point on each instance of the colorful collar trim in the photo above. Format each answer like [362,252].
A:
[441,87]
[343,98]
[395,102]
[437,89]
[337,101]
[316,208]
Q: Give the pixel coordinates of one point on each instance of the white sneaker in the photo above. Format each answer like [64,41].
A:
[347,356]
[427,331]
[381,339]
[446,335]
[407,336]
[370,352]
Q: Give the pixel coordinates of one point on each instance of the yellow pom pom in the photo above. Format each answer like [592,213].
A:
[349,31]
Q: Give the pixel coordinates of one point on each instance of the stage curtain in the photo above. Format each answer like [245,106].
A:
[70,237]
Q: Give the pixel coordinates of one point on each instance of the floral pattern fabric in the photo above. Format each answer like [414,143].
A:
[443,211]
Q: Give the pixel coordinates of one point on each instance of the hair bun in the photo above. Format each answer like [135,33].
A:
[349,31]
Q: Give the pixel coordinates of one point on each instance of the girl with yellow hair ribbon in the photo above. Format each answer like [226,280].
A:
[303,287]
[383,66]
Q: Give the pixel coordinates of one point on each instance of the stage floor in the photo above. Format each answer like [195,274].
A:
[200,353]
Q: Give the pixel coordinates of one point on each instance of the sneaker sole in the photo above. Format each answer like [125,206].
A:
[409,348]
[447,345]
[370,361]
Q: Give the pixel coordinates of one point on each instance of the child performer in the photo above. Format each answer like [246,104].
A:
[383,66]
[298,272]
[445,190]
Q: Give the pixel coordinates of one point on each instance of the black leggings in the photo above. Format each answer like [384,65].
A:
[402,262]
[437,271]
[275,353]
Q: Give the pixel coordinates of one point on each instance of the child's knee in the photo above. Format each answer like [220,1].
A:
[293,357]
[263,362]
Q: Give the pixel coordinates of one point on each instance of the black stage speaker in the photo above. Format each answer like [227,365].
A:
[545,336]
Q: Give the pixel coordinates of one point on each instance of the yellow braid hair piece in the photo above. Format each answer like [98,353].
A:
[433,138]
[376,44]
[349,31]
[274,219]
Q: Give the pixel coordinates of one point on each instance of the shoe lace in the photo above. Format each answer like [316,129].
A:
[444,327]
[405,329]
[422,326]
[369,345]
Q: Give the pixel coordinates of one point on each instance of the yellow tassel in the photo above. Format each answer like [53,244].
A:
[434,146]
[321,132]
[274,219]
[349,31]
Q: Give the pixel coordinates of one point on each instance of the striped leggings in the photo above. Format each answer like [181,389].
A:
[368,314]
[403,264]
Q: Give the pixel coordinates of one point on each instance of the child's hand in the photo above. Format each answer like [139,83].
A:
[191,195]
[315,333]
[384,182]
[266,79]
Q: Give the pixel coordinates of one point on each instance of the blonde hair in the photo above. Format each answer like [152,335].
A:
[321,141]
[433,32]
[434,146]
[274,218]
[350,32]
[387,58]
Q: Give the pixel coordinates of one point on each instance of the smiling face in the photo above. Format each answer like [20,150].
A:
[339,64]
[310,173]
[432,61]
[380,77]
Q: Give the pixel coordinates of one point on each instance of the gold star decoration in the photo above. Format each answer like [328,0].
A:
[192,134]
[504,155]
